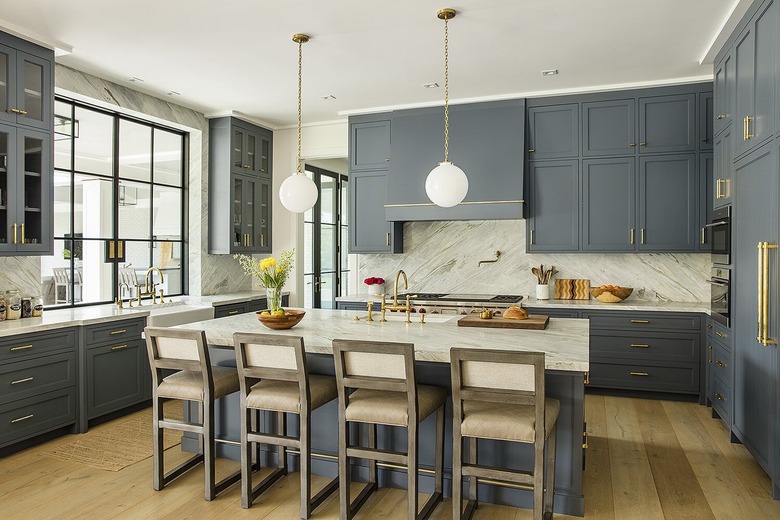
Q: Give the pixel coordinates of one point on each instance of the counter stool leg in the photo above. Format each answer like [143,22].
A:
[247,456]
[305,463]
[473,459]
[344,500]
[372,464]
[208,450]
[281,429]
[411,474]
[159,466]
[549,496]
[538,480]
[457,472]
[438,485]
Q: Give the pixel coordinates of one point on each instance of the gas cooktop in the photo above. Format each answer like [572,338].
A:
[452,297]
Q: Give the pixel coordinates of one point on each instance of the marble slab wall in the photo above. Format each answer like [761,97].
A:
[444,257]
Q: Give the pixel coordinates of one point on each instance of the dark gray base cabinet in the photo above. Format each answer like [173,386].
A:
[259,304]
[118,377]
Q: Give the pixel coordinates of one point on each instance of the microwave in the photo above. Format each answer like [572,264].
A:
[720,231]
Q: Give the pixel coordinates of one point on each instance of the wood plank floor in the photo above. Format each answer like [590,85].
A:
[647,459]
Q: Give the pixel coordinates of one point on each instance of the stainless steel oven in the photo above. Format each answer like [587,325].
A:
[720,295]
[720,229]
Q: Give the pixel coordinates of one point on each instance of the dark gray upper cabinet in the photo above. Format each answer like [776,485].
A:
[706,120]
[608,204]
[554,205]
[723,168]
[667,203]
[26,83]
[755,56]
[369,145]
[240,180]
[667,123]
[706,179]
[484,141]
[369,232]
[724,93]
[609,127]
[553,131]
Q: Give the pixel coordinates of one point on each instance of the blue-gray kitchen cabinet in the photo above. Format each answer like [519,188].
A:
[706,174]
[554,206]
[706,115]
[369,145]
[723,180]
[553,131]
[609,204]
[667,202]
[26,73]
[609,127]
[724,92]
[369,232]
[667,123]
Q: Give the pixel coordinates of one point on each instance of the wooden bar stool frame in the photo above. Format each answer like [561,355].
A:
[543,488]
[410,459]
[250,434]
[204,429]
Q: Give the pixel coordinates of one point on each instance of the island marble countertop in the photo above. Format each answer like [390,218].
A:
[565,341]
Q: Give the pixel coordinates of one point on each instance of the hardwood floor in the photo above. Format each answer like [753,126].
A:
[646,459]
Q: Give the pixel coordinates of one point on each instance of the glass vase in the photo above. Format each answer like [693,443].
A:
[273,298]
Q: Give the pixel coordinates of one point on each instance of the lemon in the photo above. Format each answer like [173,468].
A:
[279,312]
[265,313]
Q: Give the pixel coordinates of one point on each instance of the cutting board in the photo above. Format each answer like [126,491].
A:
[533,322]
[572,289]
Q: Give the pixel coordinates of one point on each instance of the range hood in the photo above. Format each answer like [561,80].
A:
[487,141]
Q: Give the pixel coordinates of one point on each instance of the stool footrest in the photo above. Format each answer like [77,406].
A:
[381,455]
[324,493]
[276,440]
[429,506]
[182,468]
[172,424]
[267,482]
[520,477]
[471,506]
[226,482]
[361,498]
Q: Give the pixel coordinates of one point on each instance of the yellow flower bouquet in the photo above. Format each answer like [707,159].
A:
[269,274]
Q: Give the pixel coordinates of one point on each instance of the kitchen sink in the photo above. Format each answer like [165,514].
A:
[170,314]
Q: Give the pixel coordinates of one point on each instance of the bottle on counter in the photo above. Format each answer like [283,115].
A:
[37,307]
[13,305]
[26,307]
[2,307]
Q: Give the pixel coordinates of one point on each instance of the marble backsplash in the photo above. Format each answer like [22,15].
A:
[444,256]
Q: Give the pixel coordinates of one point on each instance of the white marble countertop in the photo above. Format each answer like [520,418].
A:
[590,305]
[565,341]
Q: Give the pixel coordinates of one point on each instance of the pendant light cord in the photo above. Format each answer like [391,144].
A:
[300,73]
[446,91]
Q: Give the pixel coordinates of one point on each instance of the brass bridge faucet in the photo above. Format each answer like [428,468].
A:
[395,306]
[150,289]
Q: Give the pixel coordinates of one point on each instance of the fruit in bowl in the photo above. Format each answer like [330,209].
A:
[611,293]
[280,319]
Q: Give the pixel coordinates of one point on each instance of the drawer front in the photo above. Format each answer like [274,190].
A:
[230,310]
[645,347]
[35,415]
[554,313]
[722,366]
[27,345]
[720,397]
[257,305]
[677,379]
[118,376]
[36,376]
[352,306]
[645,321]
[114,332]
[722,334]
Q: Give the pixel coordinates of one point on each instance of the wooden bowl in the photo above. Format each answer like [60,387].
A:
[611,295]
[288,320]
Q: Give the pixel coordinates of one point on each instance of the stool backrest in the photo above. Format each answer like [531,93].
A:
[177,349]
[274,357]
[375,365]
[498,376]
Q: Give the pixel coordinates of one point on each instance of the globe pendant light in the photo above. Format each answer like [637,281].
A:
[298,192]
[447,184]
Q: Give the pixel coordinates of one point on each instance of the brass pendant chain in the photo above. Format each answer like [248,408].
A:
[446,92]
[300,59]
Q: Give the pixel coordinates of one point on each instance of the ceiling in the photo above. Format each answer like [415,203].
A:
[237,55]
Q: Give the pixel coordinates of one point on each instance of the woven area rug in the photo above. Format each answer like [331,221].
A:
[121,443]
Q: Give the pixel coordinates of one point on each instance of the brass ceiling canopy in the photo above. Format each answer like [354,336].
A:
[446,14]
[302,38]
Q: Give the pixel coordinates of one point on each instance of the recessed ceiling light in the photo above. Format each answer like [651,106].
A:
[135,80]
[431,85]
[173,93]
[328,97]
[551,72]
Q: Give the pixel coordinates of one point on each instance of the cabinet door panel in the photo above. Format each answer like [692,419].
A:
[724,93]
[706,174]
[724,166]
[34,91]
[762,124]
[34,191]
[609,127]
[237,149]
[370,145]
[263,223]
[368,229]
[706,120]
[553,131]
[667,123]
[667,203]
[608,204]
[744,70]
[7,83]
[554,206]
[117,376]
[8,157]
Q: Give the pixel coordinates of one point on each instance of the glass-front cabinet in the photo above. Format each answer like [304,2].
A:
[25,88]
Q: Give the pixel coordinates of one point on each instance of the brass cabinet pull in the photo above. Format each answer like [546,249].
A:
[387,239]
[23,347]
[642,144]
[642,235]
[22,232]
[14,232]
[640,321]
[709,354]
[120,249]
[20,419]
[115,332]
[718,193]
[703,240]
[638,374]
[721,364]
[532,237]
[632,145]
[232,312]
[719,397]
[704,140]
[748,135]
[721,116]
[25,380]
[720,334]
[17,111]
[631,237]
[262,240]
[762,335]
[111,250]
[709,325]
[640,345]
[119,347]
[531,150]
[587,378]
[744,128]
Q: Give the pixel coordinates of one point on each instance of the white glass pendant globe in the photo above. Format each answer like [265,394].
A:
[298,193]
[446,185]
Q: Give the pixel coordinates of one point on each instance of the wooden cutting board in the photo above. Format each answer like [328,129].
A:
[572,289]
[533,322]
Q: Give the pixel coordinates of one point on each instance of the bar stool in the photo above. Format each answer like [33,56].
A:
[385,392]
[273,377]
[195,380]
[497,394]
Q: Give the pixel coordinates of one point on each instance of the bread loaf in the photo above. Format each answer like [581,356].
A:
[515,313]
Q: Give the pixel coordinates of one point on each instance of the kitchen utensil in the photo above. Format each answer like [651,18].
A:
[572,289]
[536,273]
[533,322]
[614,295]
[288,320]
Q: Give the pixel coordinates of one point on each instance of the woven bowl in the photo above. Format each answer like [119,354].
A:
[288,320]
[611,295]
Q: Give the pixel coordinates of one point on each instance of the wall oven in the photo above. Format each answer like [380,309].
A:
[720,229]
[720,295]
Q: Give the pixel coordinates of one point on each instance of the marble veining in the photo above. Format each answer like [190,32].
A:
[565,342]
[444,256]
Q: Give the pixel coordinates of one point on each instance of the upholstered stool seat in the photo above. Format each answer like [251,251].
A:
[506,421]
[285,396]
[188,386]
[392,408]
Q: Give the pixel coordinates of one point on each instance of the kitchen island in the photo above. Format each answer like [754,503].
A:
[564,342]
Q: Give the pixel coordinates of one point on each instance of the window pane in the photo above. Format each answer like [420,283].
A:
[308,291]
[167,213]
[344,248]
[138,257]
[63,131]
[344,201]
[327,291]
[134,204]
[135,150]
[308,254]
[327,248]
[95,143]
[167,157]
[308,215]
[328,196]
[167,256]
[62,206]
[93,207]
[61,285]
[344,283]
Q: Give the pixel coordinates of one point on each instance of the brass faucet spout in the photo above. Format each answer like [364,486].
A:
[395,286]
